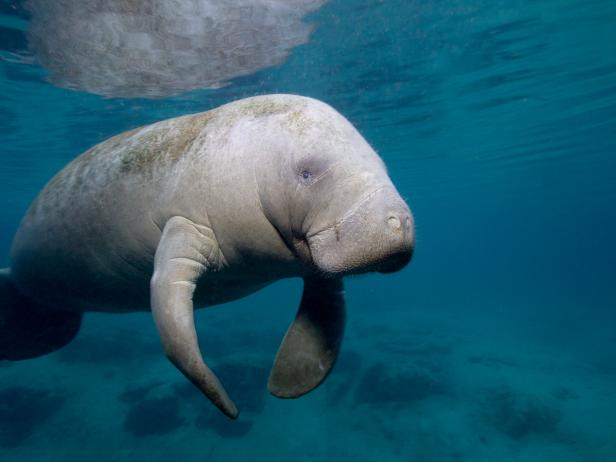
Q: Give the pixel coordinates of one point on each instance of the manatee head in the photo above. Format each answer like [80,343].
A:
[328,194]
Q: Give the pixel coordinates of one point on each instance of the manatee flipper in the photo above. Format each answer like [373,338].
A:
[185,252]
[310,346]
[28,329]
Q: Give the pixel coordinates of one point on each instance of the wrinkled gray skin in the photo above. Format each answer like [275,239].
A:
[208,208]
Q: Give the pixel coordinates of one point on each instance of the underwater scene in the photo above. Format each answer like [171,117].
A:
[497,123]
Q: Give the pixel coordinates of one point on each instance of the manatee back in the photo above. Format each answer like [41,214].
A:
[98,221]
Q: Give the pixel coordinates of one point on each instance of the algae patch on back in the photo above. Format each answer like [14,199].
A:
[294,118]
[297,122]
[263,107]
[162,144]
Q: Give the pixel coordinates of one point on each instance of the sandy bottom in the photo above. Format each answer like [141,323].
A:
[439,386]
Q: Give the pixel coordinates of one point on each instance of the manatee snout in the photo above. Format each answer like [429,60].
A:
[378,234]
[400,238]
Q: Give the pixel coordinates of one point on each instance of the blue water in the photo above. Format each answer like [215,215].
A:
[497,120]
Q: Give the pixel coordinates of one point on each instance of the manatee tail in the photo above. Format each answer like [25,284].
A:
[27,329]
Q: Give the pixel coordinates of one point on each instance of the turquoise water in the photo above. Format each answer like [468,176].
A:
[498,343]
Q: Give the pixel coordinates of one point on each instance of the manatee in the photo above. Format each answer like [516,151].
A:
[201,210]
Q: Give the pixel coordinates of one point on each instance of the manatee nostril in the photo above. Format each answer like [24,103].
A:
[407,222]
[394,222]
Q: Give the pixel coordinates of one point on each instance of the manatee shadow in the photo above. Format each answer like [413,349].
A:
[222,425]
[423,341]
[349,363]
[116,348]
[23,410]
[135,393]
[383,385]
[518,415]
[343,377]
[245,383]
[564,394]
[154,416]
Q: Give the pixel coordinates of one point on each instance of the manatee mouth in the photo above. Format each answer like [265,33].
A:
[376,234]
[301,247]
[308,246]
[347,215]
[395,263]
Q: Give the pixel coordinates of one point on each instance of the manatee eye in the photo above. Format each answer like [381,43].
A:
[310,169]
[306,176]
